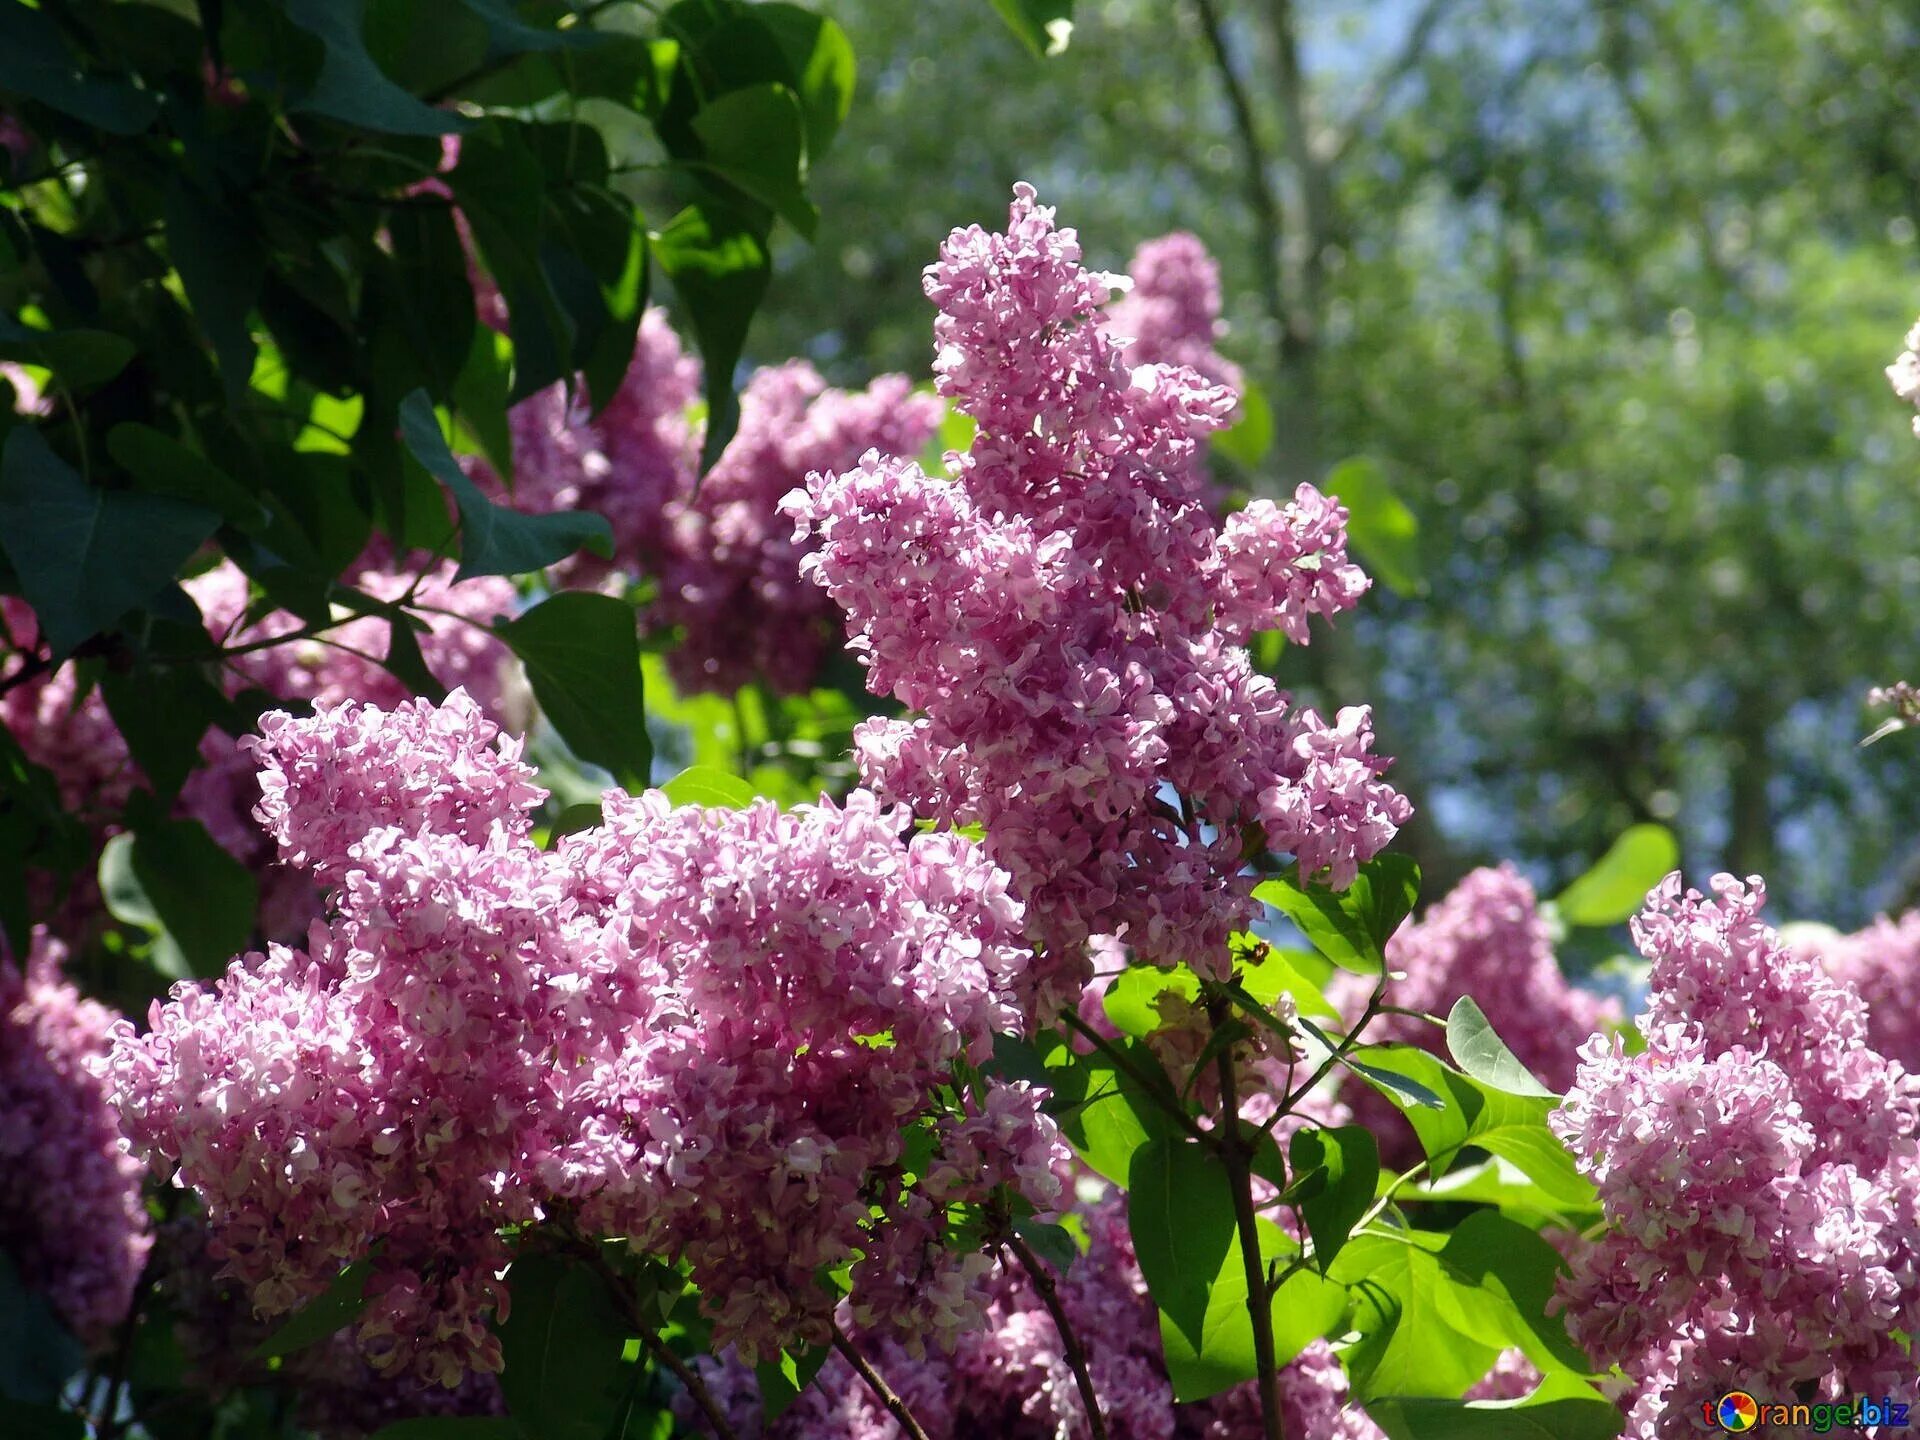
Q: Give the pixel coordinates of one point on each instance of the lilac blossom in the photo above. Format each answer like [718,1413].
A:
[1757,1167]
[1065,615]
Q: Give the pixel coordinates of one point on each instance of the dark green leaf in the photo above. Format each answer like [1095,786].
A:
[432,298]
[85,557]
[1043,26]
[21,1421]
[562,1341]
[1052,1243]
[718,263]
[1380,527]
[756,138]
[1477,1050]
[163,712]
[79,358]
[501,187]
[713,788]
[493,539]
[480,393]
[204,898]
[1618,883]
[350,87]
[1393,1082]
[821,66]
[37,1355]
[582,654]
[165,466]
[1350,1160]
[334,1308]
[1513,1261]
[1351,926]
[35,62]
[223,268]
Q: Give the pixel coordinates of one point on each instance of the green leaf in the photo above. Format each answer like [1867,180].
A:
[480,395]
[204,899]
[1350,1159]
[1180,1213]
[1391,1081]
[756,138]
[1380,527]
[78,358]
[1513,1262]
[85,557]
[1478,1115]
[709,786]
[719,266]
[1130,999]
[1402,1304]
[562,1341]
[582,654]
[1105,1112]
[1280,972]
[783,1380]
[1304,1308]
[1350,927]
[332,1310]
[350,86]
[1503,1184]
[1562,1408]
[1477,1050]
[1247,441]
[22,1421]
[37,1355]
[493,539]
[501,188]
[163,713]
[1043,26]
[1054,1244]
[222,268]
[822,67]
[35,62]
[1618,883]
[166,466]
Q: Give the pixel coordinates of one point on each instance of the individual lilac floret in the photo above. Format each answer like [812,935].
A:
[1757,1167]
[1065,616]
[71,1217]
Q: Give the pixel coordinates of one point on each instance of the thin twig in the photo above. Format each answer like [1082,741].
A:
[1075,1355]
[690,1378]
[883,1392]
[1233,1155]
[1339,1054]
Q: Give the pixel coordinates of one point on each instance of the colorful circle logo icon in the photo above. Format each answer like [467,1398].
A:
[1737,1411]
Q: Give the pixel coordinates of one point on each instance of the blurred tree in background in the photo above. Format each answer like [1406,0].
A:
[1602,285]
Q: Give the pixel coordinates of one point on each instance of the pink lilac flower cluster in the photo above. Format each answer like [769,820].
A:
[700,1031]
[71,1216]
[1759,1169]
[1170,315]
[1904,373]
[1065,615]
[1486,940]
[730,574]
[726,566]
[1882,962]
[72,735]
